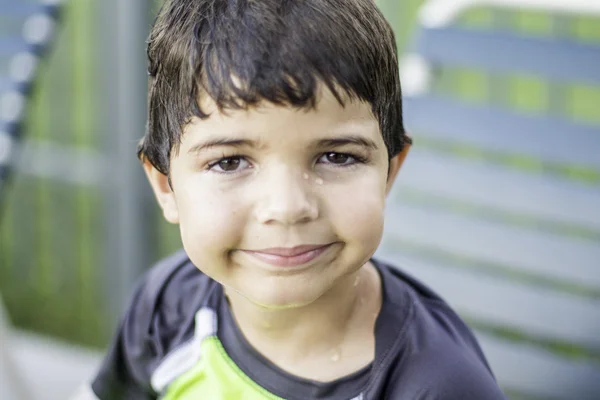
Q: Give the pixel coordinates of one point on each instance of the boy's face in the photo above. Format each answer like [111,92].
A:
[279,204]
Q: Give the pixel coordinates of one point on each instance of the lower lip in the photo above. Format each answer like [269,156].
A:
[289,261]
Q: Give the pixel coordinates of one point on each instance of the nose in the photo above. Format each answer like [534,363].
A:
[286,197]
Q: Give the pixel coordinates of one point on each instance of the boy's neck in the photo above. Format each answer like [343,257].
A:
[338,327]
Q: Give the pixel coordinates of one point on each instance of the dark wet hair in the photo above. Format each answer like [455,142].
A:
[244,52]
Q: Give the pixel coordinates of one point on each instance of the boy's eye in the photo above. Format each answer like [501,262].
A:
[229,164]
[337,158]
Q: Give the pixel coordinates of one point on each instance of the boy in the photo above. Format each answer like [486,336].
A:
[274,135]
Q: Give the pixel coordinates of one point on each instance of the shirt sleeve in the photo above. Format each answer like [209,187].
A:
[154,316]
[458,370]
[453,376]
[463,385]
[125,370]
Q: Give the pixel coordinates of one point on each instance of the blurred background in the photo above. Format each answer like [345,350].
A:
[498,208]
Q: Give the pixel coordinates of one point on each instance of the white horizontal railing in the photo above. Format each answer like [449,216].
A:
[440,13]
[415,72]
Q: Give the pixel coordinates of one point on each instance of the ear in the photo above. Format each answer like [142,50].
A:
[395,165]
[163,192]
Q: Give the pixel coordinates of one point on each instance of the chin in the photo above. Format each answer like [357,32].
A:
[281,298]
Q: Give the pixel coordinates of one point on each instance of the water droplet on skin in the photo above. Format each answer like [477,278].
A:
[319,181]
[335,355]
[356,281]
[305,175]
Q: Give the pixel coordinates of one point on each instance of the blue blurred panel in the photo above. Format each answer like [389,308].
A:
[5,84]
[504,52]
[540,253]
[563,316]
[539,373]
[21,9]
[496,187]
[15,44]
[545,137]
[10,127]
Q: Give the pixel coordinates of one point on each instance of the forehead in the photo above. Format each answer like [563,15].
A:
[270,122]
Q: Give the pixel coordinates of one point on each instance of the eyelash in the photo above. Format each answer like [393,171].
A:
[356,159]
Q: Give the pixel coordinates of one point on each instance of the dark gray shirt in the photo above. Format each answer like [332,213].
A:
[423,349]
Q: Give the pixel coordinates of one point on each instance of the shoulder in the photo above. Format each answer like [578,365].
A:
[169,293]
[445,375]
[167,273]
[158,318]
[439,356]
[432,321]
[441,360]
[169,288]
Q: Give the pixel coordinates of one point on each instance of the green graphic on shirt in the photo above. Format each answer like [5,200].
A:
[216,377]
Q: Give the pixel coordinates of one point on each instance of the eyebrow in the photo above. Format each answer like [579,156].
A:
[329,142]
[222,142]
[346,140]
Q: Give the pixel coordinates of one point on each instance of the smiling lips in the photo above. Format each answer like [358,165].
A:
[289,256]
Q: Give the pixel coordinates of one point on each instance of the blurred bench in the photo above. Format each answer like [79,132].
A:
[499,210]
[26,28]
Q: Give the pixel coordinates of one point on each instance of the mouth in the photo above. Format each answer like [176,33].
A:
[289,256]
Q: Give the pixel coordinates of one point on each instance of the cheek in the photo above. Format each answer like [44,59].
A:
[357,210]
[210,219]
